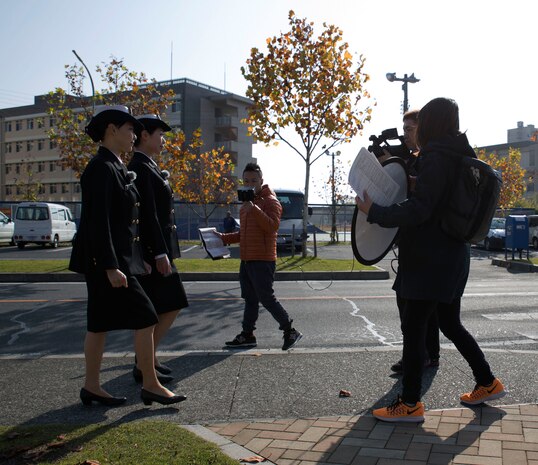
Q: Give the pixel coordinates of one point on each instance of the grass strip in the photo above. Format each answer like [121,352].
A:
[194,265]
[144,442]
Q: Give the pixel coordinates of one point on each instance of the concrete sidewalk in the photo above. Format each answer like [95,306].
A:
[285,406]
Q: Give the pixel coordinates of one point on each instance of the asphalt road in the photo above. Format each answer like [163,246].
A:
[351,333]
[499,307]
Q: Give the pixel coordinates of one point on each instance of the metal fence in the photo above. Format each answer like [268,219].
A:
[190,217]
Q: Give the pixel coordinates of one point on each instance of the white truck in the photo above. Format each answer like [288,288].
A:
[291,222]
[43,223]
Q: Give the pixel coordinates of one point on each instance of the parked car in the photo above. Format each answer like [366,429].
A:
[7,228]
[533,230]
[43,223]
[496,235]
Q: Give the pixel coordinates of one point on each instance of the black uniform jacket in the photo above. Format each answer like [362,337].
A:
[431,265]
[108,236]
[157,219]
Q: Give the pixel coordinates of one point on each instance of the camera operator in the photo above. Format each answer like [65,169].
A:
[259,220]
[432,349]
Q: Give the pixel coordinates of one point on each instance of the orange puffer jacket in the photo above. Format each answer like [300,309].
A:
[258,228]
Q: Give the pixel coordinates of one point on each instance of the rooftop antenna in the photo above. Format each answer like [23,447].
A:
[91,80]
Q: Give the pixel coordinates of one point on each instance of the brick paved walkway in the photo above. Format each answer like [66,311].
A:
[481,436]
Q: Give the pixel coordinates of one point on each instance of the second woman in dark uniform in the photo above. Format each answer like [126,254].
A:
[158,230]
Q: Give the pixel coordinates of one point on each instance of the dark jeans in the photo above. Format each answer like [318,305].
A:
[432,346]
[256,278]
[414,326]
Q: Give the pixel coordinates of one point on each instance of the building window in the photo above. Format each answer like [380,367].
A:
[29,124]
[41,167]
[52,188]
[18,125]
[9,190]
[18,147]
[40,144]
[7,126]
[29,146]
[176,106]
[52,166]
[77,188]
[41,189]
[52,121]
[19,190]
[8,147]
[65,188]
[18,168]
[532,159]
[52,144]
[40,123]
[8,169]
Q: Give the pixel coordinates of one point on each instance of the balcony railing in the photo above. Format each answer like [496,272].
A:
[226,121]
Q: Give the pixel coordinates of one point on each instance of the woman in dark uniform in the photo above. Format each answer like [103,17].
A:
[158,230]
[107,250]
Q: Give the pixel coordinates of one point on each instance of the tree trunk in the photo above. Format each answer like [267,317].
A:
[305,206]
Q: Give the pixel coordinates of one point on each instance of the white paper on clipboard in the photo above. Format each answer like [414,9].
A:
[367,174]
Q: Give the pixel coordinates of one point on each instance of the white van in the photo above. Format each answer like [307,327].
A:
[43,223]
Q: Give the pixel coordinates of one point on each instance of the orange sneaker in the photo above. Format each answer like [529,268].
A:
[399,412]
[481,394]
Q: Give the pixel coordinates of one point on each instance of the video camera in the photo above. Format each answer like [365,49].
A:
[401,150]
[245,194]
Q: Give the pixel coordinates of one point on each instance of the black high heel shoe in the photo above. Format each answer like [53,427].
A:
[149,397]
[88,397]
[163,369]
[138,377]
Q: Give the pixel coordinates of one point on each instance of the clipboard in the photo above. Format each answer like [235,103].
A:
[213,244]
[371,242]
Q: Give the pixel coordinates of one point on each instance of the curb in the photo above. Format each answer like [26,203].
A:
[228,447]
[515,265]
[378,274]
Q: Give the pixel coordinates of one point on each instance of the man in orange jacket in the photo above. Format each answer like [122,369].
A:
[259,221]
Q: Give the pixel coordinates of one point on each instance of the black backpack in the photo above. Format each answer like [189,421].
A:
[472,199]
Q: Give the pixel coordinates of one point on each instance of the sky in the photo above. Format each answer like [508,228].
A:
[478,52]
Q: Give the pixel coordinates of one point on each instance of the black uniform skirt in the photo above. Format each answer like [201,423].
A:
[111,308]
[165,292]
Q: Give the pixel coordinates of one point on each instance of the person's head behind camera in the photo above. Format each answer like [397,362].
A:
[410,122]
[252,182]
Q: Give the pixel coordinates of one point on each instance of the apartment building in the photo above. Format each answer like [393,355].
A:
[28,159]
[525,139]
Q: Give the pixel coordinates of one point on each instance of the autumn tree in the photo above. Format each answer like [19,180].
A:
[513,175]
[199,178]
[335,190]
[309,85]
[27,183]
[71,109]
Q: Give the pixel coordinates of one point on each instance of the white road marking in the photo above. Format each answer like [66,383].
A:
[22,324]
[512,316]
[190,248]
[370,326]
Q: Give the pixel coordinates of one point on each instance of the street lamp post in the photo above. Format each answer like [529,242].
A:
[334,232]
[391,77]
